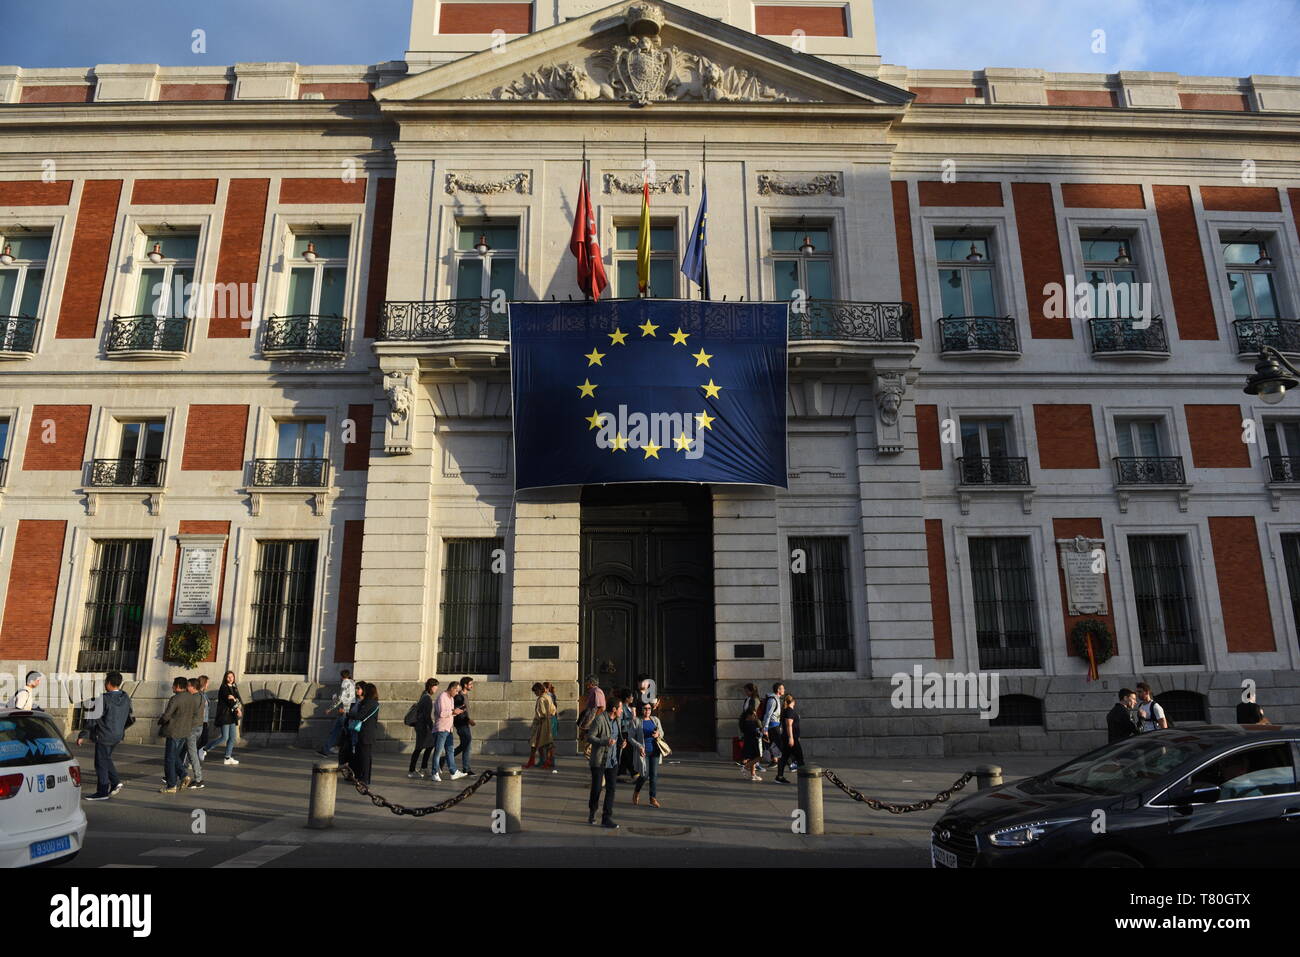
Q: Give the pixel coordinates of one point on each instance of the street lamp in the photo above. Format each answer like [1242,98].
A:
[1270,381]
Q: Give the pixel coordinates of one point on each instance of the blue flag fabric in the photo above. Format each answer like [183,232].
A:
[649,390]
[695,263]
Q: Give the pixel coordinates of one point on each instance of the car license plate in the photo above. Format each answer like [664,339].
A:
[52,846]
[941,858]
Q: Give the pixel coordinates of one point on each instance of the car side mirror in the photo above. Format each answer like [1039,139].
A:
[1199,794]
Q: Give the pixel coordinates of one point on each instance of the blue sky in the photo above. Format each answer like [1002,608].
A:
[1197,37]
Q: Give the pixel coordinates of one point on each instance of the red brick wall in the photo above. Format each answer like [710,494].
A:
[1089,528]
[1040,256]
[174,192]
[332,190]
[345,633]
[939,608]
[68,450]
[1246,199]
[33,585]
[939,193]
[1082,98]
[1214,101]
[1182,242]
[906,256]
[774,20]
[356,457]
[337,91]
[944,94]
[88,263]
[1243,596]
[194,91]
[381,233]
[1066,437]
[66,93]
[1215,435]
[214,438]
[33,192]
[240,259]
[193,527]
[1102,196]
[927,437]
[485,17]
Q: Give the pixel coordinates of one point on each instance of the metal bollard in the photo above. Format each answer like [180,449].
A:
[510,791]
[324,790]
[988,776]
[810,798]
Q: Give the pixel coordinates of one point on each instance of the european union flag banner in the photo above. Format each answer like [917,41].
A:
[649,390]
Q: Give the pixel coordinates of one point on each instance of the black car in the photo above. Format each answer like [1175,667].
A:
[1202,795]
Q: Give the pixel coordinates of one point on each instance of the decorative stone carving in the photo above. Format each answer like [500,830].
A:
[829,183]
[1085,586]
[399,427]
[520,182]
[890,389]
[644,19]
[664,183]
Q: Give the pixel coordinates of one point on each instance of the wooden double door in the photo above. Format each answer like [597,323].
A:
[647,600]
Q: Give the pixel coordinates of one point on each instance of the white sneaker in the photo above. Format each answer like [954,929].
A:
[436,777]
[229,761]
[458,775]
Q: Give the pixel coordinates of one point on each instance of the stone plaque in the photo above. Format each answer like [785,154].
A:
[1085,589]
[196,584]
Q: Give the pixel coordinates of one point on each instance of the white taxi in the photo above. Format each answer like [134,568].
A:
[41,820]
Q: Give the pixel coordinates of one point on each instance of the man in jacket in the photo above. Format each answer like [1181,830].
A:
[114,716]
[603,736]
[463,723]
[1121,720]
[176,724]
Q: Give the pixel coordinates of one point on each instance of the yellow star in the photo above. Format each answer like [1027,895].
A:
[679,337]
[587,389]
[705,420]
[647,329]
[593,357]
[682,442]
[651,450]
[596,420]
[619,444]
[711,391]
[701,358]
[617,337]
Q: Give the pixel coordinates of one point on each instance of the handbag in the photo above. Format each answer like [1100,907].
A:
[664,750]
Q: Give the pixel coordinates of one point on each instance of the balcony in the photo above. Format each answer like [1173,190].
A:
[18,337]
[1150,470]
[304,337]
[839,319]
[976,336]
[993,470]
[443,319]
[1282,334]
[1121,339]
[1283,469]
[146,337]
[290,473]
[127,473]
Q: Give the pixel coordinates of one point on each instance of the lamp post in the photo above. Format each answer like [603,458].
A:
[1273,376]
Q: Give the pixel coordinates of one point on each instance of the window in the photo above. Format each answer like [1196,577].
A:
[1161,593]
[1291,559]
[166,286]
[300,457]
[4,447]
[987,454]
[663,260]
[300,438]
[1250,280]
[966,286]
[22,280]
[1003,586]
[820,615]
[139,458]
[1112,275]
[1282,438]
[489,275]
[1139,437]
[985,438]
[114,614]
[470,642]
[1018,711]
[1251,772]
[284,595]
[318,274]
[272,716]
[795,268]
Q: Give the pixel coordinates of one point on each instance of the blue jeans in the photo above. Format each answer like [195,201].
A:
[190,755]
[173,749]
[225,733]
[105,773]
[443,741]
[465,735]
[333,739]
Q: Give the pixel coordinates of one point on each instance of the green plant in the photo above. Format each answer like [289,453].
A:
[188,644]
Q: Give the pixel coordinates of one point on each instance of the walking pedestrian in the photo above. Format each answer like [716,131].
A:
[444,714]
[230,708]
[364,726]
[751,749]
[751,702]
[791,749]
[542,740]
[627,712]
[24,699]
[341,704]
[771,724]
[603,736]
[555,727]
[647,732]
[647,692]
[592,706]
[423,730]
[1121,720]
[175,726]
[463,724]
[192,759]
[113,715]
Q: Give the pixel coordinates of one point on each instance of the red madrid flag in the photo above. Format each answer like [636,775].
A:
[582,243]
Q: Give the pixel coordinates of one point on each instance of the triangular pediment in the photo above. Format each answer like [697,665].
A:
[642,53]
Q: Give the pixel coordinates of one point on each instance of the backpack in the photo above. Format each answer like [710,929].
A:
[412,714]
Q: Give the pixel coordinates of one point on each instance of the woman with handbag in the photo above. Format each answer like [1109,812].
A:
[423,730]
[648,749]
[230,708]
[541,741]
[364,729]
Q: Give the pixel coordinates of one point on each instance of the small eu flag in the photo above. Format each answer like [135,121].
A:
[695,263]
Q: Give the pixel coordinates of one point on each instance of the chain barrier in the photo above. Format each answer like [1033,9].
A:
[923,805]
[380,801]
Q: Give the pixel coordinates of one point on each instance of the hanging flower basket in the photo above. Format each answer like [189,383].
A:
[188,645]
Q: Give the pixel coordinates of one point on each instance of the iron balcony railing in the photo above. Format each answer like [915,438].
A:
[978,334]
[146,334]
[1149,470]
[1282,334]
[1283,468]
[290,473]
[993,470]
[1120,336]
[18,334]
[127,473]
[854,321]
[305,335]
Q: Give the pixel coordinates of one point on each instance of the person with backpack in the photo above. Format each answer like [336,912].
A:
[771,725]
[751,702]
[364,725]
[113,716]
[230,708]
[420,717]
[1150,713]
[751,752]
[24,698]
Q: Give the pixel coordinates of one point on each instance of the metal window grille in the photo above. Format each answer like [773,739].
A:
[1002,578]
[1018,711]
[1166,619]
[1182,707]
[114,619]
[271,715]
[284,588]
[1291,557]
[822,632]
[470,642]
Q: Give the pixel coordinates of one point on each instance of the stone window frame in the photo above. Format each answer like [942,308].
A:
[614,212]
[286,224]
[1147,255]
[13,414]
[55,265]
[832,216]
[1279,596]
[448,217]
[859,619]
[129,253]
[433,644]
[996,225]
[1283,247]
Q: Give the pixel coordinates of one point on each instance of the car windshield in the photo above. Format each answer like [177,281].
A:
[27,739]
[1129,765]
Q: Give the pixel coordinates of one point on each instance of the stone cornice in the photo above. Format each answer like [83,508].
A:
[1035,121]
[269,114]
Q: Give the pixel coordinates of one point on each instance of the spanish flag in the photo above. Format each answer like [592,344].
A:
[643,244]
